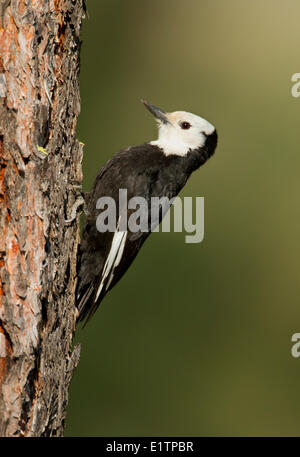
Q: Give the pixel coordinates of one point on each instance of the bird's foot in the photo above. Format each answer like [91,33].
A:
[79,203]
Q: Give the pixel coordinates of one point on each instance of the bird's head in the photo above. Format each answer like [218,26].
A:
[180,132]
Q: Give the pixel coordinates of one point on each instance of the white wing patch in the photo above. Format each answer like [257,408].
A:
[113,259]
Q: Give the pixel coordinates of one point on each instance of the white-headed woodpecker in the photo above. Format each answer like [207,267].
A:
[156,169]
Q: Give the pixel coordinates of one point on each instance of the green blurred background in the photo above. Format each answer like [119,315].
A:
[196,339]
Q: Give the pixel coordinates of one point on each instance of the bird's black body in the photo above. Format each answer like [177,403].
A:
[145,171]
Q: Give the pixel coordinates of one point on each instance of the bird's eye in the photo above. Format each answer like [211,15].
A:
[185,125]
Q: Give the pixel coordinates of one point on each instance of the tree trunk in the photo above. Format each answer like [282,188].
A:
[40,177]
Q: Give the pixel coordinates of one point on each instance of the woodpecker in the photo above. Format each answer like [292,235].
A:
[158,168]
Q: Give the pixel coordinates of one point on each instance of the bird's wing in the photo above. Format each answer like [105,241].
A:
[113,260]
[106,256]
[97,289]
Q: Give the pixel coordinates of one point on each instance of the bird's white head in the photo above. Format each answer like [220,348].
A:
[179,132]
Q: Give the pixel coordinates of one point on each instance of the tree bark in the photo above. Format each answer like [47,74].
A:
[40,177]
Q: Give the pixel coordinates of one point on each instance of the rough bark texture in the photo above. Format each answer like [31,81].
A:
[40,169]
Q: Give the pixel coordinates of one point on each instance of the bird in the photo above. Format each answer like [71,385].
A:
[158,168]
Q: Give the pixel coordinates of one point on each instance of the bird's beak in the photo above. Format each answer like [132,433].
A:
[158,113]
